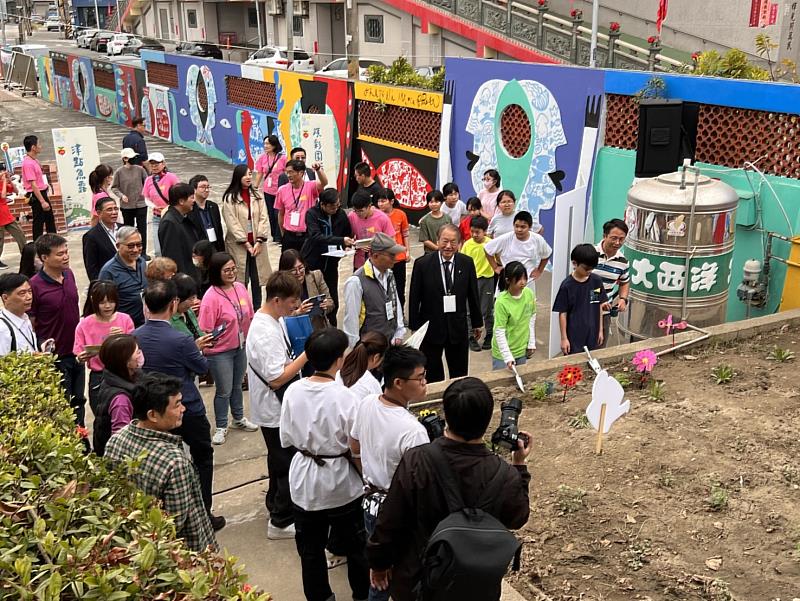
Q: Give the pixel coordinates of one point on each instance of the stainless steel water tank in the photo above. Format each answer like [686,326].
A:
[680,250]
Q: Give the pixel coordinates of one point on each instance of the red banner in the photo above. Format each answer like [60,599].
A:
[661,15]
[773,14]
[755,11]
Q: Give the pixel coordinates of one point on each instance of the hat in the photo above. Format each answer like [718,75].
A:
[128,153]
[155,157]
[383,243]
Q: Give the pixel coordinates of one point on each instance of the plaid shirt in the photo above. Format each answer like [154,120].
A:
[166,473]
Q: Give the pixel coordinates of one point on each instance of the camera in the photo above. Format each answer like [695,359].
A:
[614,311]
[433,424]
[507,433]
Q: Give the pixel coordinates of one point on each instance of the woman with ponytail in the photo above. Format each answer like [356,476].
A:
[365,356]
[100,181]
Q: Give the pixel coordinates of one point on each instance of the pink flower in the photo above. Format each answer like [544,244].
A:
[644,361]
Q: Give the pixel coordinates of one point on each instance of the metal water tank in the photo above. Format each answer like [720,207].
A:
[680,250]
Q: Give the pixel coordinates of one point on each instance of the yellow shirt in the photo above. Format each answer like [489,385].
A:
[475,250]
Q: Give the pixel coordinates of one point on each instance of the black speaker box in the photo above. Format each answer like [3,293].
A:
[667,132]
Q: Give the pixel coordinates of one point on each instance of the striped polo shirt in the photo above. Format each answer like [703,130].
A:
[612,270]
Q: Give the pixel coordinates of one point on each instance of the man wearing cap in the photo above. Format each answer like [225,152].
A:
[156,190]
[370,294]
[127,186]
[134,140]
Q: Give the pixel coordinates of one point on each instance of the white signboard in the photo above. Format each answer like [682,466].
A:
[318,133]
[76,157]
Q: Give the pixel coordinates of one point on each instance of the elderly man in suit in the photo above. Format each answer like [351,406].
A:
[443,284]
[100,242]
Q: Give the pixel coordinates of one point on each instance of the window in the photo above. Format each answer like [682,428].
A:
[191,19]
[297,26]
[373,29]
[252,18]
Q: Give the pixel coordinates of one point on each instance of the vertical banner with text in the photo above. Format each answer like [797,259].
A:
[76,157]
[318,133]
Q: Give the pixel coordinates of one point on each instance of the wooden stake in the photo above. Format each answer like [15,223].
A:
[598,449]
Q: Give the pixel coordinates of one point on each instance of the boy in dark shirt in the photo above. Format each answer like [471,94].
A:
[578,303]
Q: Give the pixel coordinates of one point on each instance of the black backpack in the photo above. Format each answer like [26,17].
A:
[470,550]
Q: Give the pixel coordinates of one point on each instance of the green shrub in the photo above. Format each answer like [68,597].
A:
[72,528]
[402,73]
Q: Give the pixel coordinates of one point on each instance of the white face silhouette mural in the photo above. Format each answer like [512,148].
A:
[529,174]
[202,110]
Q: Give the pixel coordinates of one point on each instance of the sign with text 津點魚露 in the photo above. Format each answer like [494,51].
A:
[76,156]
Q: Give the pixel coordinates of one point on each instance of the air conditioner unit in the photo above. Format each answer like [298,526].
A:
[301,8]
[275,7]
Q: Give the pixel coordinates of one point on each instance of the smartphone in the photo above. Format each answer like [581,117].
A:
[217,332]
[318,300]
[49,345]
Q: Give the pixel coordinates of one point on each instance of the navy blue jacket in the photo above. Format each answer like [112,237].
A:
[168,351]
[130,286]
[135,140]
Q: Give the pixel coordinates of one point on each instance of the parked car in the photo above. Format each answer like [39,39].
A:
[429,71]
[99,42]
[53,23]
[32,49]
[85,36]
[338,68]
[277,57]
[134,45]
[116,43]
[204,49]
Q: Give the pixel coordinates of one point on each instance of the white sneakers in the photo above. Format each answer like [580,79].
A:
[219,436]
[244,424]
[275,533]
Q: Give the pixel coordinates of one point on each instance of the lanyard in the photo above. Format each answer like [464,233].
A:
[237,307]
[31,340]
[110,234]
[299,194]
[270,165]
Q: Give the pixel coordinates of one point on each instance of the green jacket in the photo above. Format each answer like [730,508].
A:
[179,322]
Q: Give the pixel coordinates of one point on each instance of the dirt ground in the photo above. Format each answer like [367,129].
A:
[695,497]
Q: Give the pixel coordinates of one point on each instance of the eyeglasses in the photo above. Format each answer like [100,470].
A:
[229,270]
[448,243]
[133,245]
[617,239]
[419,379]
[299,269]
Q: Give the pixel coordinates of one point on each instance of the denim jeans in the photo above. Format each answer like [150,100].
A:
[227,368]
[374,594]
[154,235]
[500,364]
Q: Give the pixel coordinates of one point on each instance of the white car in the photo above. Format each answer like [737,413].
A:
[338,68]
[117,43]
[277,57]
[53,23]
[85,37]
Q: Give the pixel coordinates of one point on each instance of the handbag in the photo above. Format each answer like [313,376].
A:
[280,391]
[298,329]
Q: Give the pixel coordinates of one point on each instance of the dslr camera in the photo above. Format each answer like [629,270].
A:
[507,434]
[433,424]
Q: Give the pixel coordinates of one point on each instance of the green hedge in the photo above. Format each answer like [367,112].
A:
[72,528]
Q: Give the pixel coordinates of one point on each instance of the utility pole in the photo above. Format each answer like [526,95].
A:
[290,32]
[4,16]
[593,46]
[351,38]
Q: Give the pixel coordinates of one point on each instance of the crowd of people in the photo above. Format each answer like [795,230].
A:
[350,475]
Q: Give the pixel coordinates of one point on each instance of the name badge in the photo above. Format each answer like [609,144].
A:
[241,339]
[249,227]
[294,218]
[212,234]
[389,310]
[449,303]
[269,181]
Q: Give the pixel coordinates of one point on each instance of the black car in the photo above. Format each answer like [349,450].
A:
[135,45]
[199,49]
[100,41]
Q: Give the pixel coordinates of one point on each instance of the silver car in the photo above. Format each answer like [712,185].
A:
[277,57]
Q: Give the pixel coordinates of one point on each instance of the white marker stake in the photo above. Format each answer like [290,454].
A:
[598,448]
[608,404]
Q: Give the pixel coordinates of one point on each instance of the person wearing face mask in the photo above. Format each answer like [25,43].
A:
[488,196]
[122,361]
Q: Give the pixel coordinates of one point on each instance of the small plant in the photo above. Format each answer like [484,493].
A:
[656,391]
[579,422]
[541,391]
[569,377]
[644,362]
[666,479]
[623,378]
[637,554]
[718,499]
[723,374]
[781,355]
[791,475]
[569,500]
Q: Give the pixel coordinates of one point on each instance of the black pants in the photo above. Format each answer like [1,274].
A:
[399,271]
[272,214]
[251,275]
[457,356]
[42,220]
[196,433]
[279,499]
[293,240]
[73,381]
[346,524]
[129,216]
[95,379]
[330,273]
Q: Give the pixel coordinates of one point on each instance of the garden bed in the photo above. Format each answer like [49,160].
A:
[695,495]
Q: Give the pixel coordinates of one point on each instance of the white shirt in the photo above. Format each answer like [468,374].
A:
[501,224]
[385,433]
[268,353]
[529,252]
[23,334]
[353,293]
[366,386]
[317,417]
[455,213]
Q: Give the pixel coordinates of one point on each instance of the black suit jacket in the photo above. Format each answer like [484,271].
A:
[97,250]
[216,220]
[178,235]
[425,299]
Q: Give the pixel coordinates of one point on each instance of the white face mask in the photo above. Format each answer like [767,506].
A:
[488,184]
[139,359]
[197,262]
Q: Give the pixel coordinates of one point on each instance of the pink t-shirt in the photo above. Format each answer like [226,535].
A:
[367,228]
[232,307]
[295,204]
[489,201]
[32,171]
[97,196]
[92,332]
[165,182]
[121,412]
[272,169]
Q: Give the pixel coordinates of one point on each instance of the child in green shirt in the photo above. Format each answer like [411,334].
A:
[429,225]
[474,247]
[514,339]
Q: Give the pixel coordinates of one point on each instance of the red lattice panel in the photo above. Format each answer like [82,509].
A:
[730,136]
[162,75]
[61,67]
[515,130]
[202,96]
[400,124]
[622,121]
[104,79]
[251,93]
